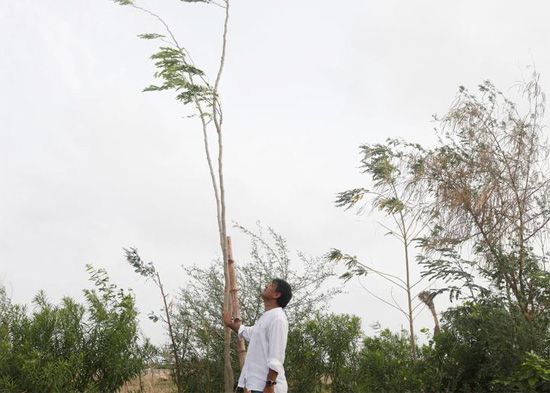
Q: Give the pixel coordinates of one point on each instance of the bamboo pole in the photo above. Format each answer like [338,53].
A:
[235,306]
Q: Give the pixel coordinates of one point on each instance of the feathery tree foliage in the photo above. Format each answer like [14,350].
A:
[489,192]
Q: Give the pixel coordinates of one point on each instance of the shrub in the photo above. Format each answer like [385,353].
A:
[71,347]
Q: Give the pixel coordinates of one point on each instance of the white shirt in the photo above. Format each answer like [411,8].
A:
[266,350]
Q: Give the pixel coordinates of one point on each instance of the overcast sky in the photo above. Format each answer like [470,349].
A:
[89,164]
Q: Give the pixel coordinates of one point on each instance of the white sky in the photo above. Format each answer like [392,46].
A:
[89,164]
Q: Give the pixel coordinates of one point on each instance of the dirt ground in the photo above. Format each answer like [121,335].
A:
[153,381]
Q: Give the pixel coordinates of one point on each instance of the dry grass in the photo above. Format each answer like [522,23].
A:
[153,381]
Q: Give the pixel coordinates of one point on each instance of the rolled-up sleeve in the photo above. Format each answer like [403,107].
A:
[246,332]
[277,337]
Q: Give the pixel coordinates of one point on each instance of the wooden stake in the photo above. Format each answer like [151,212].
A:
[235,306]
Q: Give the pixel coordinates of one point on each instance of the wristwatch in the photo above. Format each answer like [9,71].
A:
[269,382]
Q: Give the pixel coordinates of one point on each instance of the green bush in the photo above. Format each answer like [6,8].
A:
[482,342]
[71,347]
[386,365]
[533,376]
[322,353]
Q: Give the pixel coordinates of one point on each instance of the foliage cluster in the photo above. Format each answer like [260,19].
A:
[71,347]
[322,354]
[483,347]
[483,342]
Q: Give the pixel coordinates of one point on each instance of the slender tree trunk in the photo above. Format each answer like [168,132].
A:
[217,116]
[408,280]
[428,299]
[140,383]
[177,362]
[405,239]
[437,328]
[409,301]
[236,308]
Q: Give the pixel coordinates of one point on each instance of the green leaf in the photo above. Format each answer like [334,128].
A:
[150,36]
[334,255]
[124,2]
[391,205]
[348,199]
[153,88]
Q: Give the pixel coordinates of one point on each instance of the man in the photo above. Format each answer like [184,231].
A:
[263,370]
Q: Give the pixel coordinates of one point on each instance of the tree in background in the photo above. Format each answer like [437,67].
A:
[387,166]
[270,257]
[5,305]
[489,189]
[149,271]
[177,72]
[72,347]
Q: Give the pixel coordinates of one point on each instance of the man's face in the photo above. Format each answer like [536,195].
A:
[270,291]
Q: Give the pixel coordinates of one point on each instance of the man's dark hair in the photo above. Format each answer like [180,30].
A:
[284,289]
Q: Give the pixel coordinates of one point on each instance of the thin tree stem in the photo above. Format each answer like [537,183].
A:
[217,116]
[177,371]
